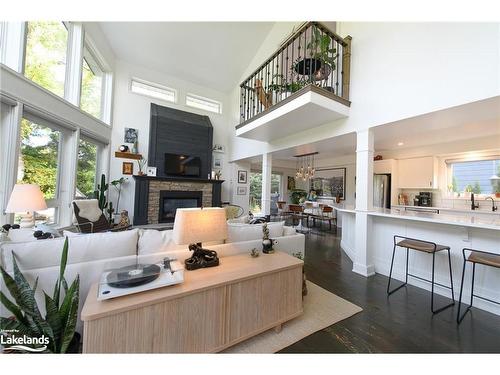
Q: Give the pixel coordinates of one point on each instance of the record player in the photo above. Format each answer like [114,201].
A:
[137,277]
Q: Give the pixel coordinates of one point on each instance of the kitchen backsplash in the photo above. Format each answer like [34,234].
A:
[444,201]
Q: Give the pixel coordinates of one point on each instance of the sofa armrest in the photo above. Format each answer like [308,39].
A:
[289,231]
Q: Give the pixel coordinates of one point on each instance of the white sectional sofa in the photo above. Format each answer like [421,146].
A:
[90,254]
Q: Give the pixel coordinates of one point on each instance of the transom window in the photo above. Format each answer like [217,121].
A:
[479,177]
[154,90]
[205,104]
[45,60]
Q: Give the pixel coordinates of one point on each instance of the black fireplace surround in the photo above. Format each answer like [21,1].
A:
[170,201]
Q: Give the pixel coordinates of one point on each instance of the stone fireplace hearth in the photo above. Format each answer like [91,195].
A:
[149,191]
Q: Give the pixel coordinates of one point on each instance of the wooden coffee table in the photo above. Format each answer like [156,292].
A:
[213,309]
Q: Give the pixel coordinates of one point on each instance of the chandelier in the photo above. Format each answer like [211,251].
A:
[305,166]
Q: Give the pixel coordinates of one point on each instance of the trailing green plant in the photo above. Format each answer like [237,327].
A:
[280,85]
[100,193]
[61,316]
[319,48]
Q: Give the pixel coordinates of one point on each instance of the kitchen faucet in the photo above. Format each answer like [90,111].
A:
[493,206]
[473,206]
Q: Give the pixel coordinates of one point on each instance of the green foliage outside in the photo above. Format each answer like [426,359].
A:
[39,157]
[90,100]
[46,45]
[85,178]
[256,189]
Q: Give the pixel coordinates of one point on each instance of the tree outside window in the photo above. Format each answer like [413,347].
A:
[86,172]
[256,189]
[91,91]
[45,63]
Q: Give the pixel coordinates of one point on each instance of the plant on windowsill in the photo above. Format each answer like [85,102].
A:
[60,320]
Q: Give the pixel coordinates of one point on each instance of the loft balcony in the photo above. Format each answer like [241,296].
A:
[304,84]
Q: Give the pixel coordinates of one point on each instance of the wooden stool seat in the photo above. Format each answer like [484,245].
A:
[424,246]
[428,248]
[492,260]
[484,258]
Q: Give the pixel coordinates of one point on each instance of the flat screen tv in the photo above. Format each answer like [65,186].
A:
[182,165]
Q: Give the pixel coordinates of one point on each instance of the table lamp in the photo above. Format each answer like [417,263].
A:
[196,225]
[26,198]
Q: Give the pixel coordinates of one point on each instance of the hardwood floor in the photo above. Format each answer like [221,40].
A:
[402,323]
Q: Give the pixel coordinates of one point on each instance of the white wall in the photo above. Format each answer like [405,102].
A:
[133,111]
[398,70]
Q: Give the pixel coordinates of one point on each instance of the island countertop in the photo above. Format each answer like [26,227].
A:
[465,220]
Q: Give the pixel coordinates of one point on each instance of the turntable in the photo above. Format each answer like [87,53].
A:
[138,277]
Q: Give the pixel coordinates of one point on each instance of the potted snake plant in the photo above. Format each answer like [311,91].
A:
[28,324]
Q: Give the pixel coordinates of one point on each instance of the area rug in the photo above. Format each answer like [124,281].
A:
[321,310]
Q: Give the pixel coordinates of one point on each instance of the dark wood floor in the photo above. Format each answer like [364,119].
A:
[402,323]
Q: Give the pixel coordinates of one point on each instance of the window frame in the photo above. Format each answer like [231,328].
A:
[100,148]
[205,99]
[153,85]
[450,162]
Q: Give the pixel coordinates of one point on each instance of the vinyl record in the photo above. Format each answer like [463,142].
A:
[134,275]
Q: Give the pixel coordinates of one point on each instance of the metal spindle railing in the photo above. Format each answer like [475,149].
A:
[313,55]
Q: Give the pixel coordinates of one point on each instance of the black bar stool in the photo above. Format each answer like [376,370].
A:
[476,257]
[426,247]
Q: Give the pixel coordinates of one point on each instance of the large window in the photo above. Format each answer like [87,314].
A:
[39,162]
[478,177]
[45,61]
[87,166]
[256,190]
[92,85]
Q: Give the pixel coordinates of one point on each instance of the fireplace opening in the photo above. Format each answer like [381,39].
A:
[170,201]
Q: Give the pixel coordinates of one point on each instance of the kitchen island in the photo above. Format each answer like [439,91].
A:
[457,230]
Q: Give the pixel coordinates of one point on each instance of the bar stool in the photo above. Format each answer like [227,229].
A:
[425,247]
[476,257]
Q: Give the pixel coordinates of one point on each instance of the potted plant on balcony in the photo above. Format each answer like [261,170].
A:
[321,61]
[57,329]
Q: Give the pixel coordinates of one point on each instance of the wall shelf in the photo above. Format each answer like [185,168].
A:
[127,155]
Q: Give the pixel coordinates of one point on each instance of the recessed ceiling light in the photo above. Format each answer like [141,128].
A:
[400,143]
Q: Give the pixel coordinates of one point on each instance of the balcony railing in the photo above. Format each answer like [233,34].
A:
[312,56]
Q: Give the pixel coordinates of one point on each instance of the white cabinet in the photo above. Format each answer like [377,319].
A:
[418,173]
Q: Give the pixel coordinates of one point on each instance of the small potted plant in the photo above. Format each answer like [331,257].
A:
[468,191]
[497,192]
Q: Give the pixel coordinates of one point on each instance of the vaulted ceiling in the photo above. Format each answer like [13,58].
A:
[212,54]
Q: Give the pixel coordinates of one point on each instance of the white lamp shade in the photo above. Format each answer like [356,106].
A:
[26,198]
[193,225]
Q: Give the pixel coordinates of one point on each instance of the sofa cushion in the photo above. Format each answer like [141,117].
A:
[247,232]
[21,235]
[82,248]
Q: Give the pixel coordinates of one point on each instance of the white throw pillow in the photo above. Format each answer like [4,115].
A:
[21,235]
[154,241]
[248,232]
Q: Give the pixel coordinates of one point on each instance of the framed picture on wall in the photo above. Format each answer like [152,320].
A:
[151,171]
[290,183]
[130,135]
[241,190]
[329,183]
[242,177]
[217,161]
[127,168]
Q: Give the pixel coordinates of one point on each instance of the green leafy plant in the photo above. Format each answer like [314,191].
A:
[280,85]
[296,195]
[60,320]
[100,193]
[117,184]
[319,48]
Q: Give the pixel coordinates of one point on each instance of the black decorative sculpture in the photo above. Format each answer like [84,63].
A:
[201,258]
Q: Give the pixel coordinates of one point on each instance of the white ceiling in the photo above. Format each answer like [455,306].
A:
[211,54]
[469,121]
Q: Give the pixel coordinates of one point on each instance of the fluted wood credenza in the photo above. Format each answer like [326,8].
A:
[213,309]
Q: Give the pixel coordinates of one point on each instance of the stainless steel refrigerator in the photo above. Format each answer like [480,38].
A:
[382,190]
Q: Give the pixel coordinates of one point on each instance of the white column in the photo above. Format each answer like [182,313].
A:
[363,263]
[267,166]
